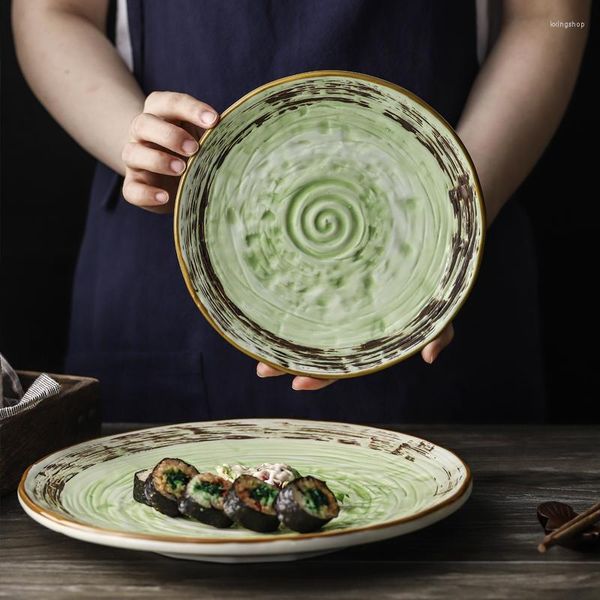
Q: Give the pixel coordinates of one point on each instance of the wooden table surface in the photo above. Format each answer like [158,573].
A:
[485,550]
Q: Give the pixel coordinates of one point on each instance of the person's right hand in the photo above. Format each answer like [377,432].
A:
[162,137]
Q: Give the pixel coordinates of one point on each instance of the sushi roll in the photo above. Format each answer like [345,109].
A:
[278,474]
[139,482]
[251,503]
[306,504]
[203,500]
[166,484]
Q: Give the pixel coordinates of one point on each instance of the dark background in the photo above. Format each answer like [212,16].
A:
[43,213]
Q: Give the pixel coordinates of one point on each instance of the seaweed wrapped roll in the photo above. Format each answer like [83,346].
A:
[251,503]
[203,500]
[139,482]
[166,484]
[306,504]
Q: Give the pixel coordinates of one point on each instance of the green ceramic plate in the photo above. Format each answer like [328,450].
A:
[393,484]
[330,225]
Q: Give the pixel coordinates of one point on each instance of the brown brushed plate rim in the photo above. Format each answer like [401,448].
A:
[61,520]
[309,75]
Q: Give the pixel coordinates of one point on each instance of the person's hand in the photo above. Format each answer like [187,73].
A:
[162,137]
[429,354]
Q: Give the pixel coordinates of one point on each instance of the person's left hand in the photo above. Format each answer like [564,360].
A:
[429,354]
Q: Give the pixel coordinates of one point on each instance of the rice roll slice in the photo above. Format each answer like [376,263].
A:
[139,483]
[166,484]
[306,504]
[251,503]
[203,500]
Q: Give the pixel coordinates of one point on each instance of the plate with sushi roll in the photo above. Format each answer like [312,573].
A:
[245,490]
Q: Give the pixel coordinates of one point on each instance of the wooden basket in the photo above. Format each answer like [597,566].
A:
[70,417]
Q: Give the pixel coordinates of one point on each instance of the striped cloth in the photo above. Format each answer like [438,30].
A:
[13,400]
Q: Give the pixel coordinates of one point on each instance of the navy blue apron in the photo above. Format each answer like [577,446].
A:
[134,325]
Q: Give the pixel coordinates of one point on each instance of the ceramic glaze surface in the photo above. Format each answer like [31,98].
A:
[324,234]
[391,483]
[329,224]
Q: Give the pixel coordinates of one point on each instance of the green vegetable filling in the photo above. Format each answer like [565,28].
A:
[208,487]
[315,500]
[264,494]
[176,480]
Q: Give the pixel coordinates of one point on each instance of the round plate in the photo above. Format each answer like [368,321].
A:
[330,225]
[395,484]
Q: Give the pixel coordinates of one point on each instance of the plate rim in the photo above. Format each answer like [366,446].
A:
[105,532]
[307,75]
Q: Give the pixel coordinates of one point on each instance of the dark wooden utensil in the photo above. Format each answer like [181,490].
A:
[565,527]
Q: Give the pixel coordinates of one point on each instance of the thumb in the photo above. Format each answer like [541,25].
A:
[433,349]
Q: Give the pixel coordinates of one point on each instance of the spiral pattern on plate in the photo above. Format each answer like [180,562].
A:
[325,220]
[330,225]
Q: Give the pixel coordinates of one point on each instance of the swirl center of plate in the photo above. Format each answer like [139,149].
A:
[331,224]
[328,228]
[325,219]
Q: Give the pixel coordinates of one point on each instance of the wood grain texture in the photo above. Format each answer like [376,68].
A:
[485,550]
[70,417]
